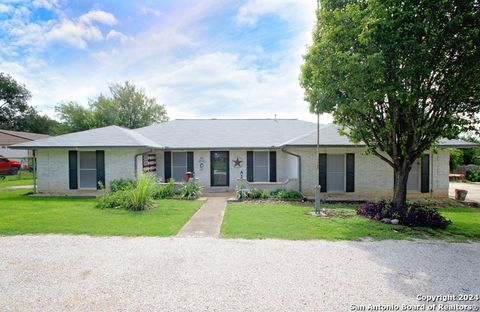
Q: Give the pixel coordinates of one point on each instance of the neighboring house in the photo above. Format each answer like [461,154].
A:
[8,137]
[262,153]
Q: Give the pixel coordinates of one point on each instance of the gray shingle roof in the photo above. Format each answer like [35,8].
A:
[329,136]
[209,134]
[226,133]
[112,136]
[25,135]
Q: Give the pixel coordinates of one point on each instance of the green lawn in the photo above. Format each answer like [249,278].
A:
[21,214]
[23,178]
[292,221]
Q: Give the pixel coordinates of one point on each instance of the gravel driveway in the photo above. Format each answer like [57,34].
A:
[81,273]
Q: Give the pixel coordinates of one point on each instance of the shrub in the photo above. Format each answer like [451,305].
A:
[264,195]
[412,214]
[254,193]
[165,191]
[456,158]
[191,189]
[415,214]
[239,191]
[141,196]
[111,200]
[286,194]
[473,175]
[121,185]
[373,210]
[132,196]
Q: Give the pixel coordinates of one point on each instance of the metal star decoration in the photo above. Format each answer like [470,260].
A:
[237,162]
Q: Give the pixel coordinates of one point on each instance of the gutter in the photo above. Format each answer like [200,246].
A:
[135,160]
[299,167]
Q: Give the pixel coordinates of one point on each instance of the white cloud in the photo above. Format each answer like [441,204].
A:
[207,83]
[146,10]
[251,11]
[78,33]
[35,36]
[74,34]
[47,4]
[114,35]
[98,16]
[4,8]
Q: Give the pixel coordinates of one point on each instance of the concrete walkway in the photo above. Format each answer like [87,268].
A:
[207,221]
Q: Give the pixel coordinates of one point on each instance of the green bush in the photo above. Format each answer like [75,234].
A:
[254,193]
[141,196]
[286,194]
[121,185]
[191,189]
[411,214]
[131,196]
[239,191]
[264,195]
[165,191]
[473,175]
[456,158]
[111,200]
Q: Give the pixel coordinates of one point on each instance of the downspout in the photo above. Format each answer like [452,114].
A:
[34,165]
[135,160]
[430,156]
[299,167]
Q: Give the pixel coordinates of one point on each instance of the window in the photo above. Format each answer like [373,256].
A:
[413,182]
[179,165]
[336,173]
[261,167]
[87,170]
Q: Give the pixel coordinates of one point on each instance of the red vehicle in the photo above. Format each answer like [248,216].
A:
[8,167]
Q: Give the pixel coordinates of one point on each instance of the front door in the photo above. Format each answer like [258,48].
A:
[219,169]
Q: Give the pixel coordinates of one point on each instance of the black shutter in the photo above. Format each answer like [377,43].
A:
[249,166]
[350,187]
[72,170]
[322,172]
[425,175]
[100,168]
[190,162]
[273,166]
[167,165]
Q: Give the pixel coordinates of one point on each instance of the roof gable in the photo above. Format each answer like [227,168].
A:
[111,136]
[225,133]
[25,135]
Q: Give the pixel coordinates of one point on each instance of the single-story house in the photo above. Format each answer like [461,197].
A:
[225,153]
[8,138]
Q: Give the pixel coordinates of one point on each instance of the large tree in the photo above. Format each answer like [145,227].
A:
[396,74]
[33,121]
[13,100]
[128,107]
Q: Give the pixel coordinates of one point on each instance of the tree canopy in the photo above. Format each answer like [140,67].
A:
[13,100]
[15,112]
[128,107]
[396,74]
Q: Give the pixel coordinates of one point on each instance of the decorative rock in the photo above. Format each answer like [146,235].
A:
[395,221]
[386,220]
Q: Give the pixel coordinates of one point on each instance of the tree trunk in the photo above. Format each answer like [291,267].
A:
[400,184]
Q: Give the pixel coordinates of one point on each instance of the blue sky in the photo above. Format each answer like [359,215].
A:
[201,59]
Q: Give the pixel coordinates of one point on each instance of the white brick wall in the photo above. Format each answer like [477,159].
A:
[53,169]
[373,176]
[286,166]
[120,163]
